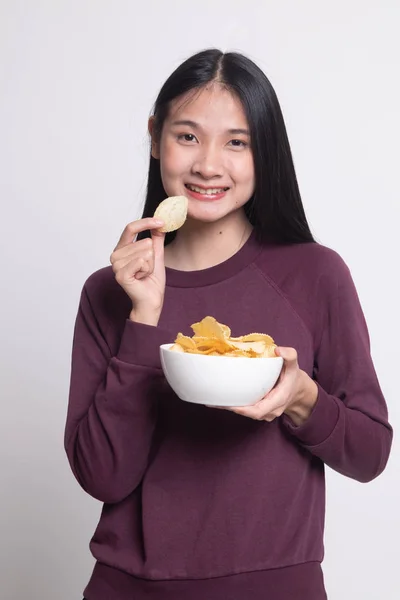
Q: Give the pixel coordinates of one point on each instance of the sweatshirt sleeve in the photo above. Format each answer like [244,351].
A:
[348,428]
[112,405]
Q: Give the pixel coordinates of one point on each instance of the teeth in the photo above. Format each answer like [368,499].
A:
[207,192]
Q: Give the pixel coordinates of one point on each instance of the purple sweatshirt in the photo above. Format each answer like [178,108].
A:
[203,503]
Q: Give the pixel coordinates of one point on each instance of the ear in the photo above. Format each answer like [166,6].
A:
[155,149]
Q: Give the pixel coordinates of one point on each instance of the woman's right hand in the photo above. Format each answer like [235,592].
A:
[140,271]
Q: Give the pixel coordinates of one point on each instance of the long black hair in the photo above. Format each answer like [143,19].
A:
[275,210]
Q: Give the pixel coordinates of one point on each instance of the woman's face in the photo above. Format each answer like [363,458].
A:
[205,153]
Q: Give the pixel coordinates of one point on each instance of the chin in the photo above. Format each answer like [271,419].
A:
[206,217]
[211,213]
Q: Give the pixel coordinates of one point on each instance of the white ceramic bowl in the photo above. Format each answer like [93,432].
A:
[219,380]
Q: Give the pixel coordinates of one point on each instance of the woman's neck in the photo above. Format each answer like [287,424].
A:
[200,245]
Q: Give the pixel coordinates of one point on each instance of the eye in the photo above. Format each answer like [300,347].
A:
[187,137]
[238,144]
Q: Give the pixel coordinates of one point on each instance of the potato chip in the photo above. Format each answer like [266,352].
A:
[199,339]
[186,342]
[177,348]
[209,328]
[205,342]
[254,337]
[212,338]
[241,353]
[173,211]
[204,350]
[269,352]
[227,332]
[218,345]
[256,347]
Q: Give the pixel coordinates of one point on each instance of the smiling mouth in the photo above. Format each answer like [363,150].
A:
[207,191]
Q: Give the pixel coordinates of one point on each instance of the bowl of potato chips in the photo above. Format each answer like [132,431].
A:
[216,369]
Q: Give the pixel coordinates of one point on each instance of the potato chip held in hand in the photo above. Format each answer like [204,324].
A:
[173,211]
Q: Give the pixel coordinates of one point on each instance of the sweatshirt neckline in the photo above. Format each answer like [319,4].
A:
[224,270]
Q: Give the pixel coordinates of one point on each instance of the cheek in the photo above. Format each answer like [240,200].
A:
[174,161]
[245,171]
[166,160]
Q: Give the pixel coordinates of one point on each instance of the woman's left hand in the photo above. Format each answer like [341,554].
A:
[295,394]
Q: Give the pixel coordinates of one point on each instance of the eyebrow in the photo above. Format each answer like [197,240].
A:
[194,125]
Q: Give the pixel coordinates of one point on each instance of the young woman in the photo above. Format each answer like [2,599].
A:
[200,503]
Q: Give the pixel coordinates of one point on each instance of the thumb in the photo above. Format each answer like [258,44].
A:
[289,355]
[158,238]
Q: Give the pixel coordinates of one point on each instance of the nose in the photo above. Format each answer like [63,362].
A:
[208,163]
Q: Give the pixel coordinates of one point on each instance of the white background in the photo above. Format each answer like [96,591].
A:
[78,79]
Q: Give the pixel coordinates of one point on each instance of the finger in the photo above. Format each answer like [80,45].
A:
[144,270]
[128,273]
[158,248]
[149,269]
[244,412]
[266,409]
[143,273]
[251,412]
[132,229]
[147,255]
[131,249]
[118,265]
[289,355]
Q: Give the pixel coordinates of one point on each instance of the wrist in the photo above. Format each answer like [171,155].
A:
[302,406]
[144,317]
